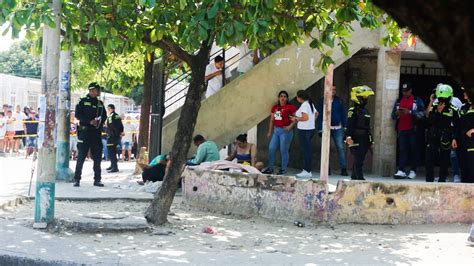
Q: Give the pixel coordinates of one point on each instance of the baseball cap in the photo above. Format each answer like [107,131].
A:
[407,86]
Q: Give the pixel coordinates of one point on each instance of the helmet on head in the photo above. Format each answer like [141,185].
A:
[363,91]
[444,91]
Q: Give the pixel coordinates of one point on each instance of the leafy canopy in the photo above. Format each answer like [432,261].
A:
[182,26]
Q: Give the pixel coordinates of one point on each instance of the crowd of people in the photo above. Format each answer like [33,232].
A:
[18,128]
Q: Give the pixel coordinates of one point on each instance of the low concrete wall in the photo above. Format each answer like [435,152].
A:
[285,198]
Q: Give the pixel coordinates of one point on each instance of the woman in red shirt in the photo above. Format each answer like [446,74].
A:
[281,132]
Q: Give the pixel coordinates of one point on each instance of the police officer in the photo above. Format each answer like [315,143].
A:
[441,117]
[464,137]
[91,115]
[114,131]
[358,136]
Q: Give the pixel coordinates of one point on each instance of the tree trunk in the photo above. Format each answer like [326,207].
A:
[144,127]
[157,212]
[446,26]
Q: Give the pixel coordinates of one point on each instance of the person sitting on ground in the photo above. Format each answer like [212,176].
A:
[206,151]
[156,170]
[245,152]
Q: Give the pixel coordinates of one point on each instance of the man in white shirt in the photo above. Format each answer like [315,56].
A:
[19,126]
[248,58]
[214,75]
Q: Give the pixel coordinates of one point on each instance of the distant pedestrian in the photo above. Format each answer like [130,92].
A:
[407,110]
[213,76]
[127,138]
[3,131]
[114,132]
[338,124]
[10,133]
[359,139]
[18,117]
[73,136]
[207,151]
[306,120]
[441,117]
[91,114]
[31,126]
[280,130]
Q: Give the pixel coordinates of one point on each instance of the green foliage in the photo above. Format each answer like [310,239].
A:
[181,27]
[20,61]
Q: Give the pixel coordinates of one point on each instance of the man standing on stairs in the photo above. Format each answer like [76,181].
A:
[214,76]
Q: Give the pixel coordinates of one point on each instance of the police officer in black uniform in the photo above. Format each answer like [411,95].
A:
[464,137]
[358,136]
[114,131]
[91,115]
[441,117]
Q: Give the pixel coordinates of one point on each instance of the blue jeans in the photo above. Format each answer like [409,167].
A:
[455,163]
[104,149]
[337,136]
[408,152]
[280,139]
[305,143]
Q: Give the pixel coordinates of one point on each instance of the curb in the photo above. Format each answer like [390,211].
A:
[18,260]
[14,202]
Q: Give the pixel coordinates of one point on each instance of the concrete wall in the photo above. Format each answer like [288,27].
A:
[288,199]
[247,100]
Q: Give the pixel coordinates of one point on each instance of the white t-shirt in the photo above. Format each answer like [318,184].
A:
[310,123]
[128,129]
[11,126]
[18,117]
[3,127]
[215,84]
[246,58]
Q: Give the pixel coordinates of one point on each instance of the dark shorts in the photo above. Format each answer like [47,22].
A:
[19,134]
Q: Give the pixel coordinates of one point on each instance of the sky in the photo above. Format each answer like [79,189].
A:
[6,41]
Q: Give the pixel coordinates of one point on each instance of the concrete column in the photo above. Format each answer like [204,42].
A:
[387,91]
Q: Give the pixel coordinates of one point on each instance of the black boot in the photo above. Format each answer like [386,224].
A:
[98,184]
[77,183]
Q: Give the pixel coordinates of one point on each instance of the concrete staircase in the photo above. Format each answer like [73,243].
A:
[247,100]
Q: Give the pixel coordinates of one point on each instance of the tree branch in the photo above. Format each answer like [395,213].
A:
[169,45]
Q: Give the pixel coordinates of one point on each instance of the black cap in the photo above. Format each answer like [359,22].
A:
[406,86]
[111,106]
[94,85]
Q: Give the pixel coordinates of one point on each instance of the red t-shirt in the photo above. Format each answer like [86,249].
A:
[281,114]
[406,120]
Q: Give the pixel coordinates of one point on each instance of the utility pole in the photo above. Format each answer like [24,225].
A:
[63,173]
[45,181]
[325,142]
[157,107]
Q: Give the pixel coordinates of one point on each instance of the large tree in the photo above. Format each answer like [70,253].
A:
[188,29]
[447,26]
[19,60]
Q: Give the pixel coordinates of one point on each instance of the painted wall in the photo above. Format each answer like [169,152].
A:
[288,199]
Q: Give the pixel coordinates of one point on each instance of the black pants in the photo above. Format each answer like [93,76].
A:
[358,151]
[89,139]
[434,149]
[465,152]
[154,173]
[112,151]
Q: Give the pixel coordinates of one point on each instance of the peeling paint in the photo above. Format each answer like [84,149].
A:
[278,61]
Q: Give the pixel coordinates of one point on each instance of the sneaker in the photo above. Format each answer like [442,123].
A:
[98,184]
[268,171]
[344,172]
[457,179]
[281,172]
[412,174]
[400,175]
[304,174]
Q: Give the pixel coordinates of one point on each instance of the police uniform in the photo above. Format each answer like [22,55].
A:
[465,149]
[439,138]
[89,136]
[114,130]
[358,129]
